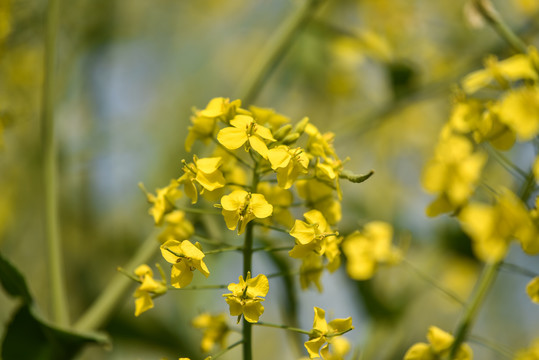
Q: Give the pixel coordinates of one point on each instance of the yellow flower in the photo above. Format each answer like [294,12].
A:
[516,67]
[452,174]
[311,236]
[203,171]
[492,227]
[288,164]
[519,110]
[320,145]
[281,200]
[176,227]
[148,289]
[246,297]
[240,207]
[439,345]
[365,250]
[244,130]
[323,334]
[163,201]
[205,120]
[532,289]
[310,271]
[265,116]
[185,258]
[215,330]
[319,196]
[531,353]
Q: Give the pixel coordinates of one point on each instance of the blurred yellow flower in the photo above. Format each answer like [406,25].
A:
[163,201]
[519,110]
[244,130]
[185,258]
[517,67]
[492,227]
[532,289]
[439,345]
[324,333]
[531,353]
[367,249]
[215,330]
[265,116]
[176,227]
[148,289]
[240,207]
[452,174]
[246,297]
[319,196]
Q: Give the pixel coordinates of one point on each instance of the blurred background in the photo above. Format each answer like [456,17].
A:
[377,73]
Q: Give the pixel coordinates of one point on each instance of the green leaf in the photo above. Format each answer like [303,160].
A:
[13,282]
[29,337]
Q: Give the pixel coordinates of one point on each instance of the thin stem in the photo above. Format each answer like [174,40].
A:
[200,287]
[432,281]
[229,347]
[52,233]
[233,154]
[484,284]
[276,49]
[247,267]
[272,227]
[199,211]
[227,249]
[505,162]
[286,327]
[205,240]
[492,346]
[268,248]
[497,23]
[518,269]
[113,294]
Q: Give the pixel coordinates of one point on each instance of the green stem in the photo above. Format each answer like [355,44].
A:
[286,327]
[247,267]
[113,294]
[497,23]
[227,249]
[276,49]
[432,281]
[269,248]
[52,233]
[200,287]
[218,354]
[508,354]
[518,269]
[484,284]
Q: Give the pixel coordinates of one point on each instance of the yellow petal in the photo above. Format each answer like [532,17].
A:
[264,132]
[259,146]
[174,246]
[260,207]
[439,339]
[419,351]
[181,275]
[232,138]
[191,251]
[279,157]
[234,200]
[303,232]
[319,322]
[520,111]
[257,286]
[208,165]
[143,303]
[313,346]
[252,311]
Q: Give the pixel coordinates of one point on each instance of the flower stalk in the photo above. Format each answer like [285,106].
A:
[50,167]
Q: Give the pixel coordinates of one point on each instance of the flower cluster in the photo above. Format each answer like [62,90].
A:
[438,347]
[261,169]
